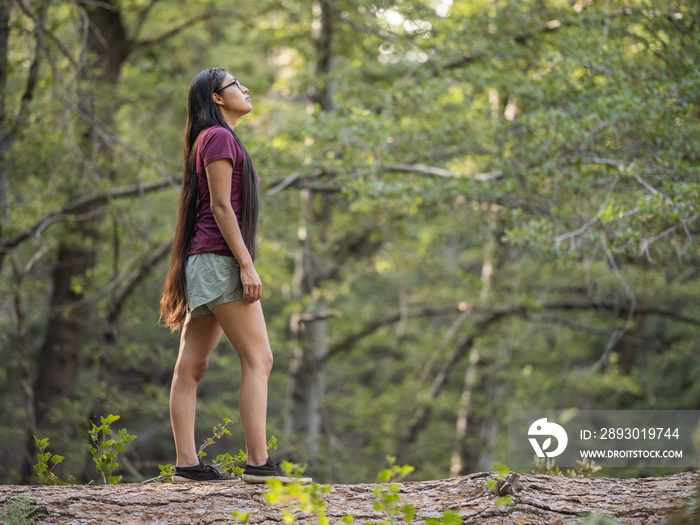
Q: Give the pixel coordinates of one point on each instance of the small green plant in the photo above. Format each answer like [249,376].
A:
[22,510]
[224,462]
[47,462]
[295,497]
[593,518]
[166,474]
[448,518]
[386,496]
[241,518]
[104,449]
[585,468]
[219,431]
[503,484]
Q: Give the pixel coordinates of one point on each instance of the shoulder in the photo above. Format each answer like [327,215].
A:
[218,137]
[218,143]
[217,133]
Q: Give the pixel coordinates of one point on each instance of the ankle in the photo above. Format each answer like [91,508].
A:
[188,463]
[256,461]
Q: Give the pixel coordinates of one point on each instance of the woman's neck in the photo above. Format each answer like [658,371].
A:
[230,119]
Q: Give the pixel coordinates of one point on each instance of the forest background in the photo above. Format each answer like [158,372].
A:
[468,206]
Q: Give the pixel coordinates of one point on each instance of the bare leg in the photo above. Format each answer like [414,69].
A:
[199,337]
[244,325]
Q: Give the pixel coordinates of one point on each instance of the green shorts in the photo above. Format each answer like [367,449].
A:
[211,280]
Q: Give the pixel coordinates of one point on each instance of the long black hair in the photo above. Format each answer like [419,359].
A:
[202,113]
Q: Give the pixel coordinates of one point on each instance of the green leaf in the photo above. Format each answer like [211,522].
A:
[451,518]
[385,476]
[109,419]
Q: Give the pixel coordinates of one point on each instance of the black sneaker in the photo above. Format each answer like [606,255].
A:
[200,473]
[270,470]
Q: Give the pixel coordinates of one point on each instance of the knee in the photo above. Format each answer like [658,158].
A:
[192,370]
[264,363]
[261,364]
[269,361]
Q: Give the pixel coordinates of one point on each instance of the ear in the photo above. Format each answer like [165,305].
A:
[217,99]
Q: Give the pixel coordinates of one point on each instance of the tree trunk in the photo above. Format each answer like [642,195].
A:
[307,370]
[70,312]
[308,377]
[4,127]
[628,347]
[539,500]
[457,462]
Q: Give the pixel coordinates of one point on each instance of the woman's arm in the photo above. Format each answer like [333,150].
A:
[219,179]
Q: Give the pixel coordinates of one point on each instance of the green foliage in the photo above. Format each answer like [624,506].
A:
[494,485]
[105,449]
[224,461]
[566,133]
[22,510]
[447,518]
[240,517]
[166,473]
[585,468]
[47,462]
[593,518]
[386,495]
[296,497]
[219,431]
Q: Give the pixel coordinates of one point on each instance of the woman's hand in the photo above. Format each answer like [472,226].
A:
[252,287]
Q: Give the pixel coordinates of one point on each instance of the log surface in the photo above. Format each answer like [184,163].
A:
[545,500]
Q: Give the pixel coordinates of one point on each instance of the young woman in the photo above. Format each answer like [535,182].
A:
[212,286]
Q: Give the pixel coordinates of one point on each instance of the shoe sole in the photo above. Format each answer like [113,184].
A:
[250,478]
[182,479]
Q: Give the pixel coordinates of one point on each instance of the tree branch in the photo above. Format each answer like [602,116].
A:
[206,15]
[32,78]
[116,305]
[372,327]
[82,205]
[46,31]
[143,15]
[441,172]
[522,38]
[422,413]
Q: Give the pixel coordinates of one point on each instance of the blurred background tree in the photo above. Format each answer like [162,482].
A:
[468,207]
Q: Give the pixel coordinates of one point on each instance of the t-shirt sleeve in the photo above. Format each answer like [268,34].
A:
[219,144]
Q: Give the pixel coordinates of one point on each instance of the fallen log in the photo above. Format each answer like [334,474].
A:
[536,499]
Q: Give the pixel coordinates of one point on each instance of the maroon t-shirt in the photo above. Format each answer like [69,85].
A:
[215,144]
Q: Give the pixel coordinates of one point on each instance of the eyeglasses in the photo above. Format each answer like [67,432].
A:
[234,83]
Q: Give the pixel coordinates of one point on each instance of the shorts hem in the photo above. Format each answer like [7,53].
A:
[204,310]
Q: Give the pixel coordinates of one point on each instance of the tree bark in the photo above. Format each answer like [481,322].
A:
[540,500]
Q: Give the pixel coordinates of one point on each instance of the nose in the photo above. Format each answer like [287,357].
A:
[244,89]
